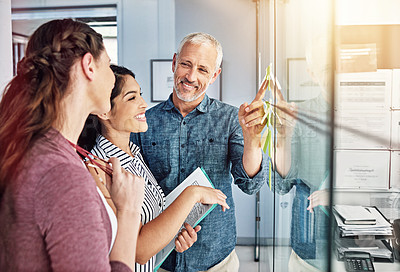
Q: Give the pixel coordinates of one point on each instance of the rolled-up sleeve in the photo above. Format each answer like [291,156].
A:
[282,185]
[241,179]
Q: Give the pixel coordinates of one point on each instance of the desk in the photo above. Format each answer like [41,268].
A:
[338,266]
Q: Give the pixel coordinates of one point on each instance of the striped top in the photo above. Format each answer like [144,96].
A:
[154,199]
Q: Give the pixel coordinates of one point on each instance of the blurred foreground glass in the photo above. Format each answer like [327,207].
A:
[296,36]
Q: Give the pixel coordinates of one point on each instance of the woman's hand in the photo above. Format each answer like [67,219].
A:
[186,238]
[127,193]
[126,190]
[318,198]
[207,195]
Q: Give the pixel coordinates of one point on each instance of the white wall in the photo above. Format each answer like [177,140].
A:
[367,12]
[233,24]
[147,33]
[5,44]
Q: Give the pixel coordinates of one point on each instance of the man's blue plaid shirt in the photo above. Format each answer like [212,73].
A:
[210,137]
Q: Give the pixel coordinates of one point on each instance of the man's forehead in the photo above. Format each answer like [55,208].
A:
[202,54]
[198,46]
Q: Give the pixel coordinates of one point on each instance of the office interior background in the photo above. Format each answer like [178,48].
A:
[345,50]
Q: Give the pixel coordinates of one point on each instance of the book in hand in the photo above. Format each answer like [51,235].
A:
[355,215]
[199,211]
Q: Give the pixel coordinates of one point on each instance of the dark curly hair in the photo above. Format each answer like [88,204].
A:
[92,127]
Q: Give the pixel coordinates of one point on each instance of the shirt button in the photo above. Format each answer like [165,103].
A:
[184,122]
[182,170]
[182,145]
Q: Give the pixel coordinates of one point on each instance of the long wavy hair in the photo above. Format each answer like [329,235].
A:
[31,101]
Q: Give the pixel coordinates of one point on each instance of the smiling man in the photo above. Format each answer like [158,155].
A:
[191,130]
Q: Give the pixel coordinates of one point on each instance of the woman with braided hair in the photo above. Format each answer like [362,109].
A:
[52,216]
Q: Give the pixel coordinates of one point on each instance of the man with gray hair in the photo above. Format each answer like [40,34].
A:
[191,130]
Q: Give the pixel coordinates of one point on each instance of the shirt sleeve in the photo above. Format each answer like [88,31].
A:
[68,212]
[242,180]
[281,185]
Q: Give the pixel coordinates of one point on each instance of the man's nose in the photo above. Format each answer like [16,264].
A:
[191,75]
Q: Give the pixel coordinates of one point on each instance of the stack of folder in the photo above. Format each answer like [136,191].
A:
[363,229]
[359,220]
[355,215]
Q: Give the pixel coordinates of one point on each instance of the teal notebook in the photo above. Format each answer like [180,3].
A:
[199,211]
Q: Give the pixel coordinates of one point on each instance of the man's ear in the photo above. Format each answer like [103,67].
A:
[215,76]
[174,63]
[103,116]
[87,63]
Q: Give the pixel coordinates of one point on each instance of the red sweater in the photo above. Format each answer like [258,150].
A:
[51,215]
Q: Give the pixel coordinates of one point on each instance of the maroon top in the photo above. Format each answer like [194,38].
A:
[51,215]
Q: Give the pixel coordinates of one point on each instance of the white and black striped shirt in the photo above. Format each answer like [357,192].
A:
[154,199]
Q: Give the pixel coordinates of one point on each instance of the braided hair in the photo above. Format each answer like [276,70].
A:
[31,101]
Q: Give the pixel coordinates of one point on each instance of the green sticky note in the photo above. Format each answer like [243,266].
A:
[269,176]
[269,141]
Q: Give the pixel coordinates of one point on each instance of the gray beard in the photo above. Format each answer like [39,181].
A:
[190,99]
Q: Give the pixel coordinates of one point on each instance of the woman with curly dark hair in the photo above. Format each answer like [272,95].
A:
[108,135]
